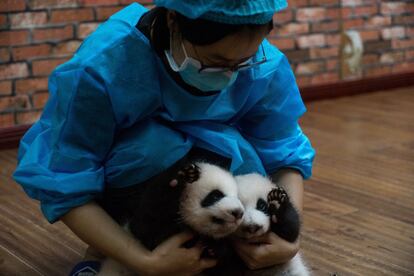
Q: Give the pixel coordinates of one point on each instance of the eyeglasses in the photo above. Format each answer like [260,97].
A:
[230,69]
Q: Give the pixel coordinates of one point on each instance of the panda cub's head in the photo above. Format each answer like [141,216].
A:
[252,191]
[210,205]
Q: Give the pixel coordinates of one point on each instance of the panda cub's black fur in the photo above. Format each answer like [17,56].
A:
[285,221]
[153,210]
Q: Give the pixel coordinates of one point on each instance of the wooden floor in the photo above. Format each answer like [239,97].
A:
[359,205]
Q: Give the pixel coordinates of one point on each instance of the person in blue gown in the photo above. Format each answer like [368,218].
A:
[143,90]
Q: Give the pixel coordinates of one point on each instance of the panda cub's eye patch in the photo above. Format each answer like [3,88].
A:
[262,205]
[212,198]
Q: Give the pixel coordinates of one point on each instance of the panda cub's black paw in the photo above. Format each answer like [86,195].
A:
[275,198]
[188,174]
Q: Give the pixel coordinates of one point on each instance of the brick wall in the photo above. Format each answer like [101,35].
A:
[37,35]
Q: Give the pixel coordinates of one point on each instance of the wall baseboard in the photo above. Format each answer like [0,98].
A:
[355,87]
[10,136]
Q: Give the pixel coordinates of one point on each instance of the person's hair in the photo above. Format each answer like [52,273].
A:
[197,31]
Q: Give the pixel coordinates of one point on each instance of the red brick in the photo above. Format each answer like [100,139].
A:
[310,68]
[378,21]
[393,32]
[27,19]
[332,39]
[370,59]
[3,22]
[308,41]
[28,52]
[323,53]
[144,2]
[86,28]
[325,26]
[283,16]
[393,8]
[89,3]
[369,35]
[27,86]
[391,58]
[403,43]
[346,12]
[14,102]
[332,64]
[404,19]
[303,81]
[283,43]
[4,55]
[53,34]
[292,29]
[40,99]
[409,31]
[13,71]
[328,77]
[310,14]
[27,117]
[402,67]
[366,11]
[45,67]
[377,71]
[72,15]
[298,3]
[66,48]
[6,120]
[5,88]
[332,14]
[353,23]
[409,54]
[12,5]
[324,2]
[44,4]
[103,13]
[351,3]
[9,38]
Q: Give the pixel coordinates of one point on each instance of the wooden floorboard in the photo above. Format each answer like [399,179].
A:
[359,204]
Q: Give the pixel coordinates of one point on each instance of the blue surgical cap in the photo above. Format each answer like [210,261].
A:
[226,11]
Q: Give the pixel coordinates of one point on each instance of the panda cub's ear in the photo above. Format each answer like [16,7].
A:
[189,173]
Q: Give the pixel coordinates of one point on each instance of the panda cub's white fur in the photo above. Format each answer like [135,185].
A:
[215,215]
[236,209]
[252,188]
[212,178]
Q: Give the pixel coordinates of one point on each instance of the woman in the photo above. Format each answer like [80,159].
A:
[140,92]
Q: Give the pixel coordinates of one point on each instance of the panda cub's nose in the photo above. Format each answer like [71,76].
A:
[237,213]
[252,228]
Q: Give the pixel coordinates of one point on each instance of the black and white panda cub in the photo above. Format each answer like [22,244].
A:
[267,208]
[196,196]
[208,200]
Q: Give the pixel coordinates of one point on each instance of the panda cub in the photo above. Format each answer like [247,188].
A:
[267,208]
[206,199]
[199,197]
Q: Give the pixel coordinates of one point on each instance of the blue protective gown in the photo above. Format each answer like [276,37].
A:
[115,117]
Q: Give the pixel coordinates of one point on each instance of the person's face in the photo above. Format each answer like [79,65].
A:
[229,51]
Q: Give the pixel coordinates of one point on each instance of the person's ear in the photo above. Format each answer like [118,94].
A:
[172,21]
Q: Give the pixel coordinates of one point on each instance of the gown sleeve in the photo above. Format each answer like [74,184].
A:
[60,157]
[272,127]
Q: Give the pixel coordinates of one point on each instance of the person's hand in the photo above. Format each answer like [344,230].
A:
[170,258]
[266,250]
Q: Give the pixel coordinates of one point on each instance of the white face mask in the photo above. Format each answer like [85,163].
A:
[190,68]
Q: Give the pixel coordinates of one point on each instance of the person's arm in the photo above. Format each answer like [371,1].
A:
[292,181]
[95,227]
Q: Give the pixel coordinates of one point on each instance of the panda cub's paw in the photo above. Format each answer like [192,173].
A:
[275,198]
[188,174]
